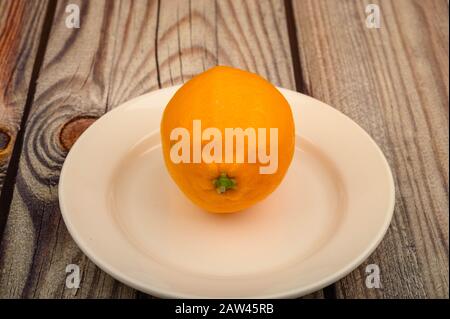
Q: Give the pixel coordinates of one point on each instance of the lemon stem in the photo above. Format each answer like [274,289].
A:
[224,183]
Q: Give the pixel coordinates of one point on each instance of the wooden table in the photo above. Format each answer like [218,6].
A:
[55,81]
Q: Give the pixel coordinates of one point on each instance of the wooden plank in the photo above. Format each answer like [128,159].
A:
[86,71]
[20,29]
[393,81]
[195,35]
[122,50]
[251,35]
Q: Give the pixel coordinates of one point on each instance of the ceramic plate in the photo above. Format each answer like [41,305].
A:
[126,214]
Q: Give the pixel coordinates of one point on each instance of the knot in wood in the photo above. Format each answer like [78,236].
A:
[72,130]
[5,142]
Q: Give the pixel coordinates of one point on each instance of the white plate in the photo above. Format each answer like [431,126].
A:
[125,213]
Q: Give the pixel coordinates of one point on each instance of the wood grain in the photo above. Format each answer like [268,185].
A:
[252,35]
[393,81]
[82,77]
[123,49]
[20,28]
[196,35]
